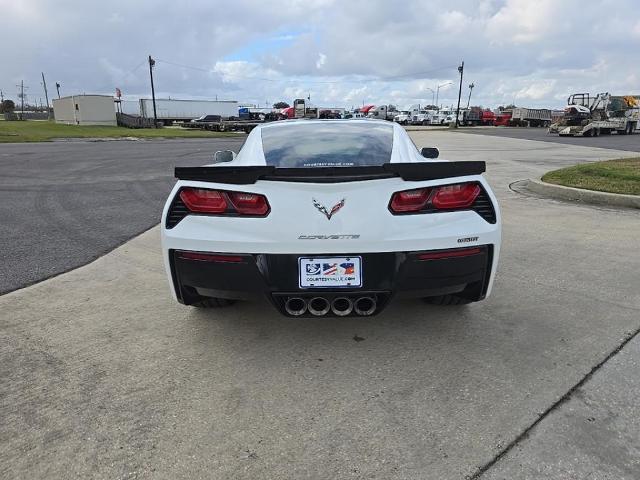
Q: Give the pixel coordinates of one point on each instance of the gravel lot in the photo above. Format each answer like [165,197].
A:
[104,376]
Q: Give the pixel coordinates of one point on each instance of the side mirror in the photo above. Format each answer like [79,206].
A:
[223,156]
[429,152]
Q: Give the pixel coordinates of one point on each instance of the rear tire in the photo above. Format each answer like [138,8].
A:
[447,300]
[213,303]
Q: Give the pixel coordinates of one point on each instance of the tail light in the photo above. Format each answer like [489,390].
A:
[433,199]
[220,202]
[249,203]
[410,200]
[204,201]
[461,195]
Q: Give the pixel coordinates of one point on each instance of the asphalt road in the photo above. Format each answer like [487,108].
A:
[629,143]
[104,376]
[64,204]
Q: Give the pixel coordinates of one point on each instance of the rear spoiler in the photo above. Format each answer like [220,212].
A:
[415,171]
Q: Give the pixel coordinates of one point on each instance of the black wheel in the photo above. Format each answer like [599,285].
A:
[425,123]
[447,300]
[213,303]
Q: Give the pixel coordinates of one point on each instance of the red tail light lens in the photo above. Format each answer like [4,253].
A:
[220,202]
[461,195]
[249,203]
[204,201]
[409,200]
[445,197]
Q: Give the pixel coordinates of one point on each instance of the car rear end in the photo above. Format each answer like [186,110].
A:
[335,245]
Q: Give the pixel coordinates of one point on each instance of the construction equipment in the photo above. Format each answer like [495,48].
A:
[586,116]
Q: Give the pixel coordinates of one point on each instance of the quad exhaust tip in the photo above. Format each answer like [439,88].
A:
[342,306]
[318,306]
[365,306]
[339,306]
[295,306]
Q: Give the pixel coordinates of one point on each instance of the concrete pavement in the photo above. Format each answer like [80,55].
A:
[104,376]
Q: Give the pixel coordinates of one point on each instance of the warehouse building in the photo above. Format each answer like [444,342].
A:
[85,110]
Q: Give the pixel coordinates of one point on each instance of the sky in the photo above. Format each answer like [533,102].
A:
[341,53]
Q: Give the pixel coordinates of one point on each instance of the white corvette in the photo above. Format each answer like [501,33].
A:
[330,217]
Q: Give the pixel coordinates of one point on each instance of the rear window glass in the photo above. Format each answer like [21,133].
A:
[335,144]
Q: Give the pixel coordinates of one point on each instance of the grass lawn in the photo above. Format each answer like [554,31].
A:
[43,131]
[614,176]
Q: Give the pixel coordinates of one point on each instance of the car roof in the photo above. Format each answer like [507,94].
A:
[307,121]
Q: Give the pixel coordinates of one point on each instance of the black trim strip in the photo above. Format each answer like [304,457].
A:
[415,171]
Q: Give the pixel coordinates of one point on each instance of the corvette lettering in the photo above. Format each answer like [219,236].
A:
[328,237]
[467,239]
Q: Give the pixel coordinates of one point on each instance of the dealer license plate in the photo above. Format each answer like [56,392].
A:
[330,272]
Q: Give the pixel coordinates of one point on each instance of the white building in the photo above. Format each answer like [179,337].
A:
[85,110]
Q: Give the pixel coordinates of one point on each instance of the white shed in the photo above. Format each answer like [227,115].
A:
[85,110]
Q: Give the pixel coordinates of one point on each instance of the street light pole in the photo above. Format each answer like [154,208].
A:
[461,70]
[152,62]
[432,94]
[471,85]
[438,93]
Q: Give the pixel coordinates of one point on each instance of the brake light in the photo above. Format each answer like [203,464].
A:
[461,195]
[204,201]
[446,197]
[409,200]
[249,203]
[220,202]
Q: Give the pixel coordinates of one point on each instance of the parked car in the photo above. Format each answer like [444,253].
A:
[330,217]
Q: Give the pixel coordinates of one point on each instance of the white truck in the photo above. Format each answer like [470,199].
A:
[586,116]
[403,117]
[170,110]
[421,117]
[383,112]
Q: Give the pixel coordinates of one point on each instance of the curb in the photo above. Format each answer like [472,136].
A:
[581,195]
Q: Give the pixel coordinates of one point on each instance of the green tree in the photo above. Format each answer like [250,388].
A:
[7,106]
[281,105]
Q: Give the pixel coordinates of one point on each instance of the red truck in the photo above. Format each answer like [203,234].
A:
[502,119]
[477,116]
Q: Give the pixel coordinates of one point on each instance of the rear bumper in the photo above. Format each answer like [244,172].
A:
[465,271]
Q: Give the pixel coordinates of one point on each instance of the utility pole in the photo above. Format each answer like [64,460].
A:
[46,96]
[471,85]
[152,62]
[1,96]
[58,89]
[461,70]
[21,99]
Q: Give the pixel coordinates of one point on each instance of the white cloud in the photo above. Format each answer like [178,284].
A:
[322,59]
[523,21]
[339,52]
